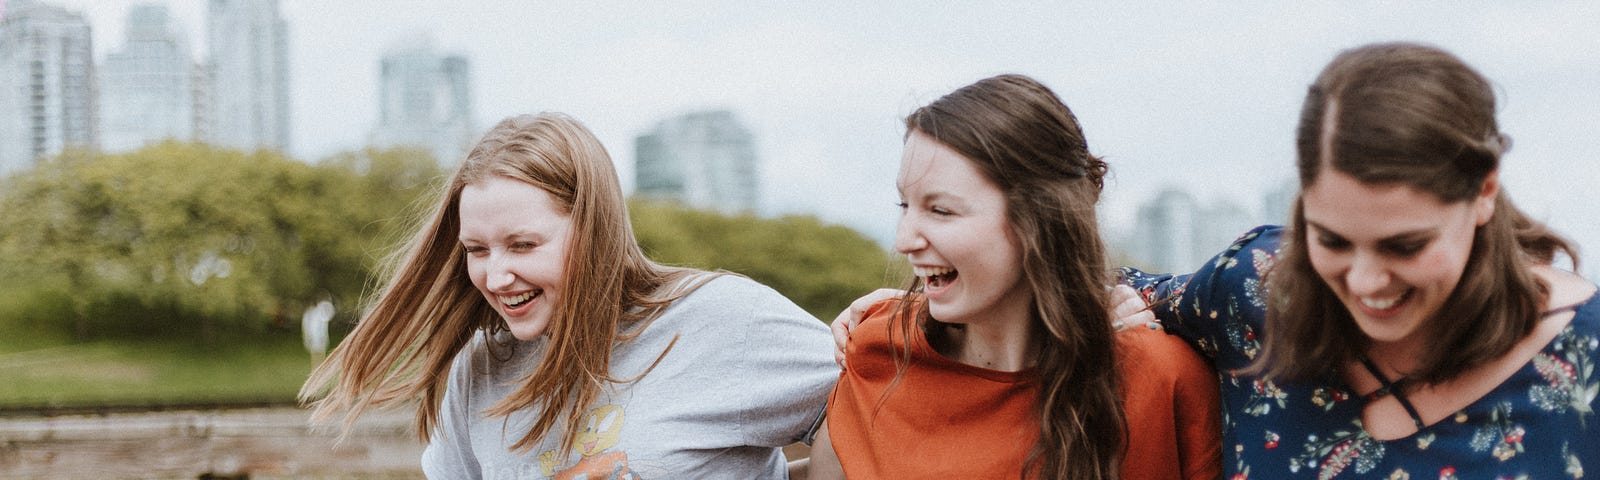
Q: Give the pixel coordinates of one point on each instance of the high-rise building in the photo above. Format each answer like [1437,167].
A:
[1175,233]
[1276,204]
[47,96]
[425,100]
[146,88]
[249,72]
[704,160]
[1163,237]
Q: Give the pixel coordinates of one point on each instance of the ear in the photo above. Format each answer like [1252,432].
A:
[1483,204]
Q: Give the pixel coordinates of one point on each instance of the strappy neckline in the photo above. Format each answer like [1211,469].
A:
[1393,387]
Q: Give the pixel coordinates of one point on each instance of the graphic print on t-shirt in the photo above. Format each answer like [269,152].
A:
[602,429]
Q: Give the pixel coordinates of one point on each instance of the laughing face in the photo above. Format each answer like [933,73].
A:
[1391,253]
[515,237]
[954,231]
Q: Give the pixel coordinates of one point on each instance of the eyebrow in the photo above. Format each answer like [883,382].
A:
[516,235]
[935,196]
[1424,233]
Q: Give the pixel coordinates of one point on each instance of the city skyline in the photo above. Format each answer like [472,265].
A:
[705,160]
[248,71]
[425,100]
[48,98]
[148,86]
[1198,96]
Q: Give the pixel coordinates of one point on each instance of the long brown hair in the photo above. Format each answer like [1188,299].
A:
[428,309]
[1024,139]
[1413,115]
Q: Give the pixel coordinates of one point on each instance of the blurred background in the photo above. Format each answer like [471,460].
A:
[183,182]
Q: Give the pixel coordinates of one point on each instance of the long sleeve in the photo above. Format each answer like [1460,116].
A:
[1220,308]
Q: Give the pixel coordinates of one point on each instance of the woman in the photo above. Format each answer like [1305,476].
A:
[1411,324]
[537,341]
[1003,363]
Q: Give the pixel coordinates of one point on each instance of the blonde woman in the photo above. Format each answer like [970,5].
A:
[536,340]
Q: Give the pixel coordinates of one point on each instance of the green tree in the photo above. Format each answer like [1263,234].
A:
[179,238]
[821,267]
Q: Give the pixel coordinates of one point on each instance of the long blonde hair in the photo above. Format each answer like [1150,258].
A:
[428,309]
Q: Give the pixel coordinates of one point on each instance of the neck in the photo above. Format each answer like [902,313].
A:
[1398,358]
[1002,345]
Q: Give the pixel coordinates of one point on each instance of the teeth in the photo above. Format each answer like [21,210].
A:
[1381,303]
[517,300]
[930,272]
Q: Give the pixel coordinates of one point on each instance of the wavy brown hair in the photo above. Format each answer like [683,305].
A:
[428,309]
[1025,140]
[1413,115]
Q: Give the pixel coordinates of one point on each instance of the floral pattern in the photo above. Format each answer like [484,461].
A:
[1538,424]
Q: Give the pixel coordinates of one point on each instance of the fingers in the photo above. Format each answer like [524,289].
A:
[850,317]
[1129,310]
[841,335]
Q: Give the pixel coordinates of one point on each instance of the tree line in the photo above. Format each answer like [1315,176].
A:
[189,240]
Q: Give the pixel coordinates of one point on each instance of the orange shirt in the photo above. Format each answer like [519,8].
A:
[946,419]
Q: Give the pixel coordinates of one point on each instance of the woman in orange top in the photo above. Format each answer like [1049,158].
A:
[1002,362]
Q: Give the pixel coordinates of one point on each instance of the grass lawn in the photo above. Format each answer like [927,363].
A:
[39,371]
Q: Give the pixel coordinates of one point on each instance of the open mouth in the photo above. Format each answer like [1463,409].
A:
[1384,305]
[937,278]
[520,300]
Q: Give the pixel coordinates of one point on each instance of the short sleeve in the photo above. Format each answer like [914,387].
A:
[1173,408]
[1219,308]
[1198,407]
[786,370]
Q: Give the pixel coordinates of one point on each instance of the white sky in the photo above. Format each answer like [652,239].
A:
[1199,95]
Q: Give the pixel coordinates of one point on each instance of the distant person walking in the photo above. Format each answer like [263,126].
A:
[536,340]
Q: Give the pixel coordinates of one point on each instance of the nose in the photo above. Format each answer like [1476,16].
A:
[1368,275]
[498,274]
[907,237]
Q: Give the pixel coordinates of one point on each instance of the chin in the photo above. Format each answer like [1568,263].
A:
[945,315]
[1385,333]
[527,331]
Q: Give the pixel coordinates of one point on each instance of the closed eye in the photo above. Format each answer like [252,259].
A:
[1333,242]
[1405,249]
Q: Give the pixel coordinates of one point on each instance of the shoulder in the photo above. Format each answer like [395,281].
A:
[883,310]
[1154,357]
[736,308]
[876,323]
[872,347]
[726,289]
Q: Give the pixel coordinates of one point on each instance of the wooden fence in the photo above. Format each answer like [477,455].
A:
[260,443]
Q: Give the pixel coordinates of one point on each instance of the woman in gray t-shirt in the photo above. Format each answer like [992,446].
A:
[542,343]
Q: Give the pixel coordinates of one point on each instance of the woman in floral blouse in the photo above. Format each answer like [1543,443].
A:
[1415,328]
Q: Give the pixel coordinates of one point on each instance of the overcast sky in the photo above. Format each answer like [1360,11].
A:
[1197,95]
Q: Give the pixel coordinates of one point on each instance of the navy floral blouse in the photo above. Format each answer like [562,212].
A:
[1539,424]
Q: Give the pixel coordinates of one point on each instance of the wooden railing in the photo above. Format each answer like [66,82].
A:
[208,443]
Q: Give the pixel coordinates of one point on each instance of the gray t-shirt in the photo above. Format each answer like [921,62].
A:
[749,374]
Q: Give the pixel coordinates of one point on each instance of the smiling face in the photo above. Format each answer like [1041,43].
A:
[954,231]
[1391,253]
[515,237]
